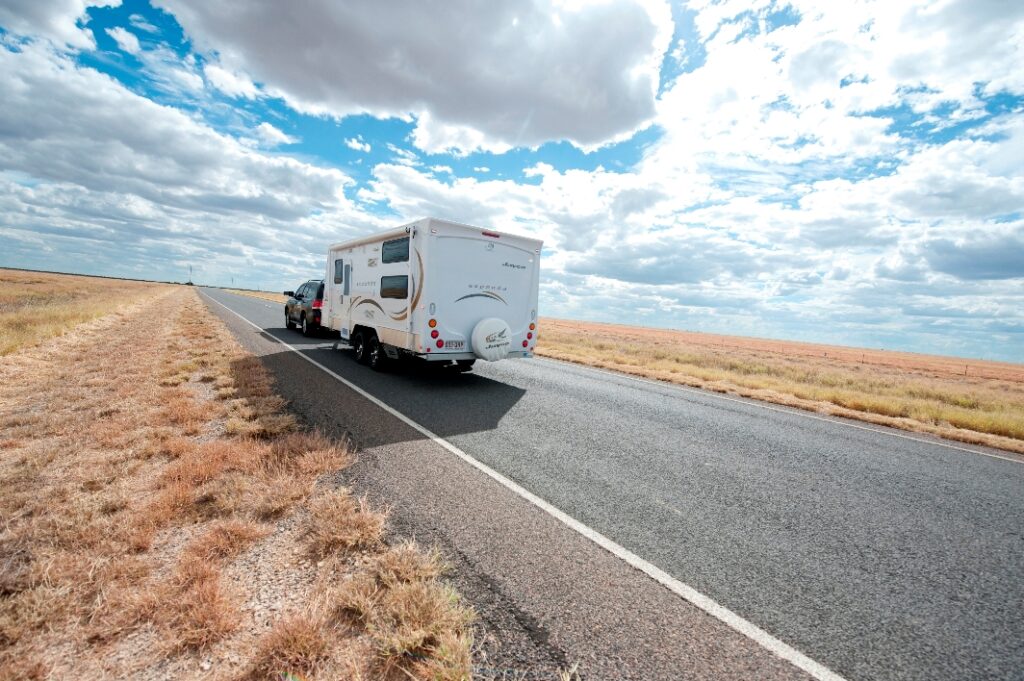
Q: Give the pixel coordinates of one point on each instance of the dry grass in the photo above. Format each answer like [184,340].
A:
[135,485]
[338,522]
[297,644]
[262,295]
[913,392]
[35,306]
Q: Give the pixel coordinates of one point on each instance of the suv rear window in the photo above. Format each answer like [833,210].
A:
[320,292]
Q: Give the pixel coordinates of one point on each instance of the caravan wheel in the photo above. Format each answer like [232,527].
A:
[359,346]
[377,358]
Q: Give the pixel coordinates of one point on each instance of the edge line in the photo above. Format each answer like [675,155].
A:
[686,592]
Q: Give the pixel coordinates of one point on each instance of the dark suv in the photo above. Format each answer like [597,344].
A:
[304,305]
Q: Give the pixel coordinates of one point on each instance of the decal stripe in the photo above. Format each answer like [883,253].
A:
[485,294]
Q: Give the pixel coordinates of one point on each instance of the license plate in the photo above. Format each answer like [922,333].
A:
[455,344]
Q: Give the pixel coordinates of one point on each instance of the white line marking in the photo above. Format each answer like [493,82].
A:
[711,607]
[753,402]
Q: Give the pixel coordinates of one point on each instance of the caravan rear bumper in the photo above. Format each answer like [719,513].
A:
[450,356]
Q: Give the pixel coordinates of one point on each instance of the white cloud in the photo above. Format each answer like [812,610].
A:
[53,19]
[131,187]
[126,40]
[357,144]
[230,83]
[481,169]
[474,75]
[140,22]
[272,137]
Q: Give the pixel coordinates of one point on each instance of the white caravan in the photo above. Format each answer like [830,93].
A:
[436,290]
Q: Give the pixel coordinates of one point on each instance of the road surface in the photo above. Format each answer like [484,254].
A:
[873,553]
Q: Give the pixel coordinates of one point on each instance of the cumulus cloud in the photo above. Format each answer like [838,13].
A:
[133,186]
[357,144]
[475,75]
[57,20]
[979,256]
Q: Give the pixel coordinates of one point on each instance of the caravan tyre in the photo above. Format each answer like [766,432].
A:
[359,346]
[377,359]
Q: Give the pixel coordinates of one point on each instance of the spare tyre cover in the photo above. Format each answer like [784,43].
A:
[492,339]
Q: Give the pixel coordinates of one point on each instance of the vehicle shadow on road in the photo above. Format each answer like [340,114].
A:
[443,400]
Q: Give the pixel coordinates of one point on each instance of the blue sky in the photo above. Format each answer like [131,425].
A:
[847,175]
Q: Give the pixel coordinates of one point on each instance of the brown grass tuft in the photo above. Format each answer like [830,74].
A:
[339,522]
[407,562]
[225,539]
[198,612]
[296,645]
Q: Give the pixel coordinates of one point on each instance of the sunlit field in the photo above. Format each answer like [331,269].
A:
[35,306]
[162,512]
[966,400]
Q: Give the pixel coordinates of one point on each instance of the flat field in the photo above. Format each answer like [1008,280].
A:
[35,306]
[163,515]
[262,295]
[967,400]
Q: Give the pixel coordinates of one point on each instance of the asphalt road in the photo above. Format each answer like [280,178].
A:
[877,555]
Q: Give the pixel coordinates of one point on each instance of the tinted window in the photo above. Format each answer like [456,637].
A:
[301,293]
[394,287]
[396,250]
[320,292]
[337,271]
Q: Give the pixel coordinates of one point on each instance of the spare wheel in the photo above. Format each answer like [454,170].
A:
[492,339]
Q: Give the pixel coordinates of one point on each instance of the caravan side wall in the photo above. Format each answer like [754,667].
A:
[369,285]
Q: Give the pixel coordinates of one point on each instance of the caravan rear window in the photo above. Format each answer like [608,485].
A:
[396,250]
[337,271]
[395,287]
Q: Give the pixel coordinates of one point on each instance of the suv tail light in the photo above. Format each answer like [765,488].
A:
[317,304]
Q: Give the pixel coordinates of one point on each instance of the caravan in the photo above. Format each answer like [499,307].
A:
[436,290]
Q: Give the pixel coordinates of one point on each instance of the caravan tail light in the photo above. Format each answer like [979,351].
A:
[440,343]
[532,327]
[318,304]
[432,323]
[493,235]
[529,335]
[524,344]
[435,333]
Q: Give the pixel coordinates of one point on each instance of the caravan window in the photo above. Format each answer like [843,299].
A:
[396,250]
[337,271]
[394,287]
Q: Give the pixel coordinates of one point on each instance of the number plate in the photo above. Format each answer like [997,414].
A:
[455,344]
